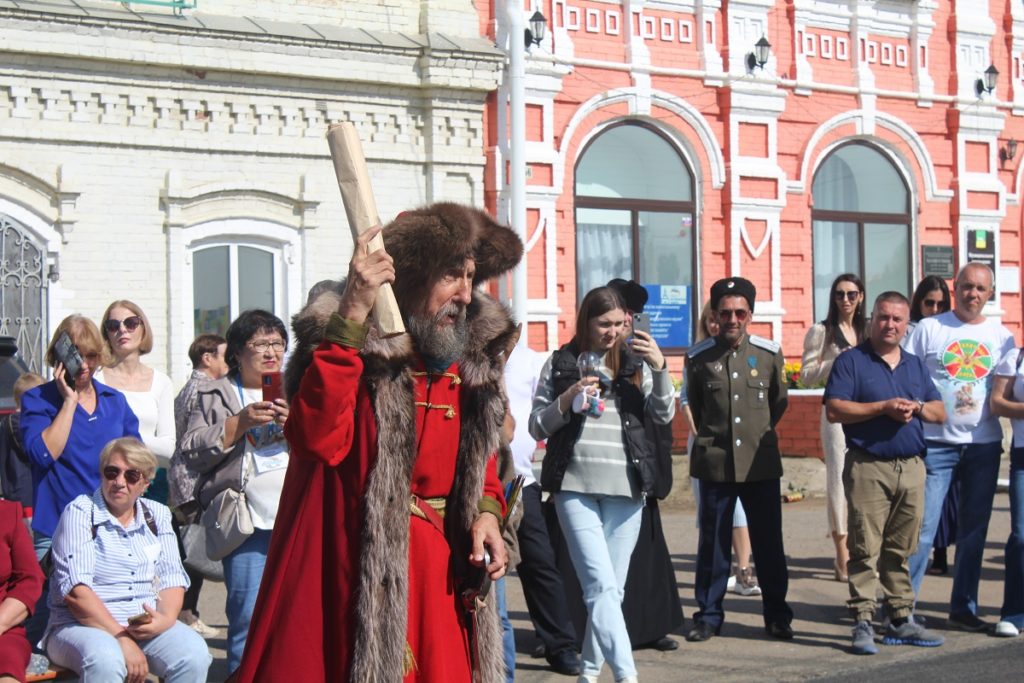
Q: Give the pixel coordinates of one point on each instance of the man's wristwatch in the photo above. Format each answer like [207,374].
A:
[920,406]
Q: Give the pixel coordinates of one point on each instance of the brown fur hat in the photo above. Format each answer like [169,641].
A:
[426,242]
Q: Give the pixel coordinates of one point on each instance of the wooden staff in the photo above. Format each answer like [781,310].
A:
[357,194]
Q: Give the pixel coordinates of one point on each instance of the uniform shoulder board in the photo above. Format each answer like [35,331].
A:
[700,347]
[766,344]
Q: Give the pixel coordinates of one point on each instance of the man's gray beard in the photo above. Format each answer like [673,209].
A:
[435,338]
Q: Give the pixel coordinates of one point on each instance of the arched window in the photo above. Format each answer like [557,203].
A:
[24,300]
[635,220]
[861,220]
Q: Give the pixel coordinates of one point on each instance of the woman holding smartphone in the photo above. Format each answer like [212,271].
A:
[235,440]
[65,423]
[128,337]
[118,582]
[599,466]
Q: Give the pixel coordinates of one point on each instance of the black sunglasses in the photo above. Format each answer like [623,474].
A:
[110,473]
[131,324]
[849,296]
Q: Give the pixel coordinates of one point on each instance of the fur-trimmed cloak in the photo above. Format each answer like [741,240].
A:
[332,605]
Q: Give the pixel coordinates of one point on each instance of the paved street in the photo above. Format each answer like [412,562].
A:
[744,653]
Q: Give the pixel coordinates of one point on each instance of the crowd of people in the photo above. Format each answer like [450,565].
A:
[392,463]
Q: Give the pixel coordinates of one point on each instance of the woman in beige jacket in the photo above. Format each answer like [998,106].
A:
[842,328]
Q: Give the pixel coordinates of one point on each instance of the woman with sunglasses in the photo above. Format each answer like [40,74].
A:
[599,465]
[128,337]
[842,328]
[932,297]
[118,583]
[235,440]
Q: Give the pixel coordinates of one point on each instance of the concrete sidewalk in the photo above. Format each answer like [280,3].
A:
[743,652]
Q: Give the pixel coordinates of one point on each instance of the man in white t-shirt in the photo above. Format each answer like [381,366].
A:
[961,349]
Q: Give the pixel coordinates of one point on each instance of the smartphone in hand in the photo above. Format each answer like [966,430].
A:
[271,383]
[642,322]
[67,353]
[140,619]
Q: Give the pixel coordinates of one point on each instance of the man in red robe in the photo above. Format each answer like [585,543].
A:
[391,496]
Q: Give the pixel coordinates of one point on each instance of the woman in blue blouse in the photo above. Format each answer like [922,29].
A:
[118,583]
[64,426]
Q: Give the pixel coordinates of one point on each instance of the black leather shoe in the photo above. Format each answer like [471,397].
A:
[701,631]
[780,630]
[565,662]
[665,644]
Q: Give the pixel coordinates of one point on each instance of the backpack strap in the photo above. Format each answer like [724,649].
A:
[1020,357]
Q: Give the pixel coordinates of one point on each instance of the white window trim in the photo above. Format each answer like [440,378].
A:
[283,241]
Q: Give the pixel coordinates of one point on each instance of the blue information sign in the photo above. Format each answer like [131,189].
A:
[668,307]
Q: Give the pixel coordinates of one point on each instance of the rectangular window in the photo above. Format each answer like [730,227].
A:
[211,290]
[228,279]
[604,247]
[879,253]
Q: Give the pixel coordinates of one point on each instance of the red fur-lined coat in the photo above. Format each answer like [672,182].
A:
[354,588]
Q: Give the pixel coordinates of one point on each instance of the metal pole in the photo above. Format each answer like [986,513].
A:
[517,148]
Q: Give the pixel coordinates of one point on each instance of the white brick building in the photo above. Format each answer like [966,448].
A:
[180,161]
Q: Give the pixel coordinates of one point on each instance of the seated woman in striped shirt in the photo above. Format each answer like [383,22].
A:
[599,466]
[118,583]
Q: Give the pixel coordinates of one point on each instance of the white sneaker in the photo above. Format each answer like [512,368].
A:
[732,583]
[1005,629]
[745,583]
[205,630]
[587,678]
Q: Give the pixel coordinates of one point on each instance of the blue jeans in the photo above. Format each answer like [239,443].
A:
[243,571]
[508,636]
[178,655]
[1013,581]
[601,532]
[977,466]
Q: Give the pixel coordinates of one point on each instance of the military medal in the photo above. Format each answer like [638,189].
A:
[718,367]
[753,372]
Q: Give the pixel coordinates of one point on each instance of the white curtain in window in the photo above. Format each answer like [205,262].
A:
[603,252]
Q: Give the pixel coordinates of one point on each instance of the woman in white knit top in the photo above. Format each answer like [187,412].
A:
[841,329]
[150,395]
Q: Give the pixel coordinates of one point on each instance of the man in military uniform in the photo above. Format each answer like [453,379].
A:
[737,395]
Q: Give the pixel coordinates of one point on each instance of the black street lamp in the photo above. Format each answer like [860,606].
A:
[538,26]
[759,57]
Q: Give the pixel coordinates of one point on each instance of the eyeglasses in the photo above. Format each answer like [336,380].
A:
[740,314]
[262,346]
[849,296]
[131,324]
[932,303]
[92,357]
[132,477]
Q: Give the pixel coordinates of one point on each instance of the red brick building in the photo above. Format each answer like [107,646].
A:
[659,149]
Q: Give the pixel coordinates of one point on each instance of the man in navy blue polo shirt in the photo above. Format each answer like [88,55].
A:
[881,395]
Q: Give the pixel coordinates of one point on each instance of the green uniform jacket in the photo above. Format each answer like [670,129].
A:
[737,396]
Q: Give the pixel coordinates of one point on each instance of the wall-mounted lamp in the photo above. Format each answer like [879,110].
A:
[759,57]
[538,26]
[988,81]
[1008,152]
